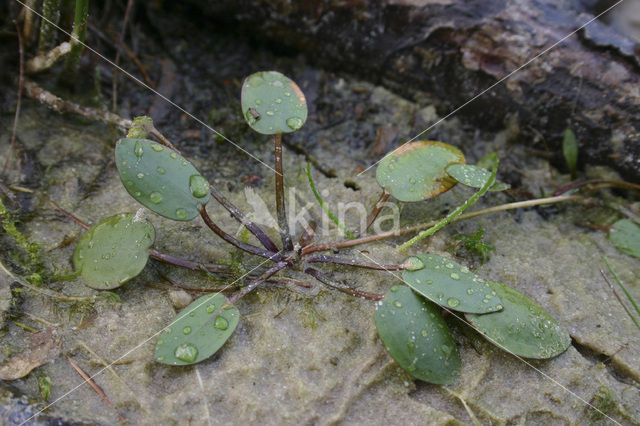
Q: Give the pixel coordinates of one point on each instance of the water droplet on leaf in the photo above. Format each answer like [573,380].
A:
[294,123]
[186,352]
[199,186]
[155,197]
[221,323]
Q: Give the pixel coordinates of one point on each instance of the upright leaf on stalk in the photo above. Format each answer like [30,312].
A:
[272,103]
[416,171]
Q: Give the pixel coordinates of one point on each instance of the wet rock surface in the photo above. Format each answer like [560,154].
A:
[308,355]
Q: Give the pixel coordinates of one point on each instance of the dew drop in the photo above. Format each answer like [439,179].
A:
[160,170]
[181,213]
[157,147]
[453,302]
[140,175]
[199,186]
[173,155]
[294,123]
[394,288]
[414,264]
[186,352]
[469,291]
[278,101]
[221,323]
[138,149]
[155,197]
[255,80]
[258,101]
[454,276]
[186,330]
[210,309]
[446,349]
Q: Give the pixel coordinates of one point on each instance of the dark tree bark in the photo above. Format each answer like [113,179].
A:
[453,50]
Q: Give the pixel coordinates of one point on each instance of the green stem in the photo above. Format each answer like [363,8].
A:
[283,222]
[51,18]
[457,212]
[624,289]
[43,291]
[78,36]
[324,206]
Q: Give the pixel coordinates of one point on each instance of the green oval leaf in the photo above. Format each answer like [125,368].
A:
[198,331]
[416,170]
[473,176]
[113,251]
[522,327]
[272,103]
[450,285]
[161,179]
[625,235]
[416,336]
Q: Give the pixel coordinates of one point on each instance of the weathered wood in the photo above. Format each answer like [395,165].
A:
[452,50]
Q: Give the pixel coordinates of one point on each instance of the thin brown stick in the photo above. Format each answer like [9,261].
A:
[114,79]
[244,220]
[351,262]
[271,271]
[113,40]
[600,183]
[136,61]
[34,91]
[280,207]
[341,287]
[95,387]
[69,215]
[389,234]
[16,116]
[239,244]
[377,209]
[229,288]
[187,264]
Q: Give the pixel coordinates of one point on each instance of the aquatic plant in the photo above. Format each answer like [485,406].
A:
[409,317]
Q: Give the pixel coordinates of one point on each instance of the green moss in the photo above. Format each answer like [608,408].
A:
[33,263]
[604,402]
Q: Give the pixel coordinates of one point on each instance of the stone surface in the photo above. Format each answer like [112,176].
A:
[312,356]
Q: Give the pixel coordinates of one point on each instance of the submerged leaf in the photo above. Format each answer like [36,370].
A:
[522,327]
[416,171]
[160,179]
[45,346]
[416,336]
[451,285]
[198,331]
[113,251]
[570,150]
[625,235]
[272,103]
[474,176]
